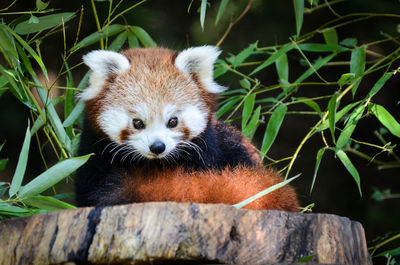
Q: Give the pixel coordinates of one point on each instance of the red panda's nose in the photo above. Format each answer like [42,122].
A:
[157,147]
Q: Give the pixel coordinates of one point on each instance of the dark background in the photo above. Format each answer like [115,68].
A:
[270,22]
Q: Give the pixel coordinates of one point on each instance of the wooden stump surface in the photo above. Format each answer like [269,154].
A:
[183,233]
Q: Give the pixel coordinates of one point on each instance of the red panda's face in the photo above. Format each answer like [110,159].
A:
[151,102]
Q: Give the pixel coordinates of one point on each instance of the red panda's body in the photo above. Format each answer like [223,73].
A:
[150,122]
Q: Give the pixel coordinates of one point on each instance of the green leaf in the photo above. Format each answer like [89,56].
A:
[282,67]
[272,129]
[54,119]
[3,163]
[346,79]
[312,104]
[251,128]
[339,115]
[47,203]
[133,41]
[21,165]
[45,22]
[357,65]
[203,8]
[30,51]
[95,37]
[33,20]
[245,83]
[7,43]
[330,36]
[248,107]
[143,36]
[349,42]
[75,114]
[264,192]
[118,42]
[345,135]
[320,47]
[299,14]
[317,163]
[385,118]
[52,176]
[1,146]
[41,5]
[317,65]
[227,106]
[332,115]
[350,167]
[306,259]
[238,59]
[37,125]
[284,49]
[392,252]
[379,84]
[221,10]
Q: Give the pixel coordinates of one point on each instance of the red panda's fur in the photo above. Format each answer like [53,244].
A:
[232,170]
[229,186]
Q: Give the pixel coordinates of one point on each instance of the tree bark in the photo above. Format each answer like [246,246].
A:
[180,233]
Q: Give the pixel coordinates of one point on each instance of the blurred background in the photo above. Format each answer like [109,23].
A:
[171,24]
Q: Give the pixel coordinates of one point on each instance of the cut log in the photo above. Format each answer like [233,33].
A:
[181,233]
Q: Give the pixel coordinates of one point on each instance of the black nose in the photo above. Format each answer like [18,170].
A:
[157,147]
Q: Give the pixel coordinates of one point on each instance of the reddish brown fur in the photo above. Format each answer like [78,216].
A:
[229,186]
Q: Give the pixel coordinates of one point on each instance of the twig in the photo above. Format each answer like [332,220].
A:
[234,22]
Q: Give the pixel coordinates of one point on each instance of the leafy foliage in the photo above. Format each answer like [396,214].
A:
[338,107]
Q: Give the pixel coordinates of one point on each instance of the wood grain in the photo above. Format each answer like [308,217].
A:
[180,233]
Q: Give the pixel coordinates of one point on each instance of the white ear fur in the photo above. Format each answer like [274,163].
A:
[200,61]
[102,63]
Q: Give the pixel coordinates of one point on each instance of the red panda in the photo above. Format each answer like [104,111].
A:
[150,121]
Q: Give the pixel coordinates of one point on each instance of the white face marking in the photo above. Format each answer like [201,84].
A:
[113,121]
[155,130]
[194,119]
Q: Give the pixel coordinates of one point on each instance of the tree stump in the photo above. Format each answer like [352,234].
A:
[180,233]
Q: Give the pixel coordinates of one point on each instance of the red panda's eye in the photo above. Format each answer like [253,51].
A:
[172,122]
[138,124]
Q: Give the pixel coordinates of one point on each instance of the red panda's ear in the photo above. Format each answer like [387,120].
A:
[200,61]
[102,63]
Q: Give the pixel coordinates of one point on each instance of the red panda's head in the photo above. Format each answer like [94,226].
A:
[151,100]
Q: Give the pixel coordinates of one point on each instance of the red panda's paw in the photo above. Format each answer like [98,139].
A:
[228,186]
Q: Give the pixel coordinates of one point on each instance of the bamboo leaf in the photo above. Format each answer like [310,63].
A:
[312,104]
[317,163]
[350,168]
[385,118]
[21,165]
[203,10]
[320,47]
[357,65]
[248,107]
[3,163]
[330,36]
[349,42]
[227,106]
[251,128]
[133,41]
[345,135]
[339,115]
[47,203]
[272,129]
[282,67]
[299,14]
[346,79]
[243,55]
[95,37]
[143,36]
[45,22]
[30,51]
[379,84]
[221,10]
[245,83]
[52,176]
[41,5]
[332,115]
[264,192]
[284,49]
[7,44]
[118,42]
